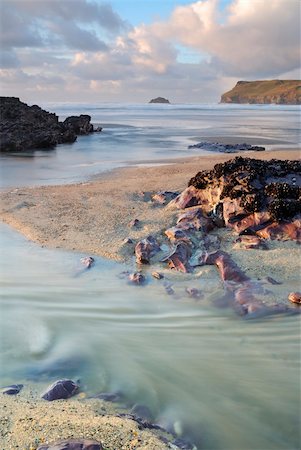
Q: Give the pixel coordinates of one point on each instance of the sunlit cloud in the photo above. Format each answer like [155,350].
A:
[195,54]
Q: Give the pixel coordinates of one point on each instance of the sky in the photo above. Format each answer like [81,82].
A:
[135,50]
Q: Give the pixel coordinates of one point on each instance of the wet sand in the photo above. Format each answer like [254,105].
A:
[27,421]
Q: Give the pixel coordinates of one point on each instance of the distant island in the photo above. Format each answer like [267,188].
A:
[159,100]
[282,92]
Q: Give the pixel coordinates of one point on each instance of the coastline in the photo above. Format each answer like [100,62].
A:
[94,216]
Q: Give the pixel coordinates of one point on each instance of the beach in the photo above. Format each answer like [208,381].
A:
[94,218]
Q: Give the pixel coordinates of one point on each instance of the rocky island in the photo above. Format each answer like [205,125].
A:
[24,127]
[282,92]
[159,100]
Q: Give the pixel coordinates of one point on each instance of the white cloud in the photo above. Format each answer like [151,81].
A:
[94,50]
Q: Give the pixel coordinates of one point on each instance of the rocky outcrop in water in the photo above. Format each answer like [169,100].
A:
[24,127]
[226,148]
[159,100]
[282,92]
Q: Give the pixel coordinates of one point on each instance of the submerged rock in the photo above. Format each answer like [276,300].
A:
[137,278]
[13,389]
[72,444]
[87,261]
[60,389]
[226,148]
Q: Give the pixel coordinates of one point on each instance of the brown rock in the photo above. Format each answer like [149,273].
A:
[295,297]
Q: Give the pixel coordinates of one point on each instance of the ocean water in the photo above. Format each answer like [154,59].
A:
[144,134]
[222,382]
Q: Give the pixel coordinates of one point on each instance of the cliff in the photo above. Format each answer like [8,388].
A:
[282,92]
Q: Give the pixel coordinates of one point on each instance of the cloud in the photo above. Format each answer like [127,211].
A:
[76,24]
[256,38]
[194,55]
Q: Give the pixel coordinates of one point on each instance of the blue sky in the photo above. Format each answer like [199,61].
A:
[134,50]
[147,11]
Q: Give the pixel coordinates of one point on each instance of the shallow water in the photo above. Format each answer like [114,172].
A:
[135,134]
[227,383]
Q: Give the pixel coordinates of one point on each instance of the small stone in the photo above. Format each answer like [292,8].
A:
[157,275]
[135,223]
[137,278]
[193,292]
[128,241]
[13,389]
[87,261]
[72,444]
[60,389]
[295,297]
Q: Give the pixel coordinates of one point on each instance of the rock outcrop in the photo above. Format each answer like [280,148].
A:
[226,148]
[24,127]
[159,100]
[282,92]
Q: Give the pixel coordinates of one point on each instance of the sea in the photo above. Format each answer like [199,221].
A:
[220,382]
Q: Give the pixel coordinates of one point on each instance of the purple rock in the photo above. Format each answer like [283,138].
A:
[60,389]
[72,444]
[12,389]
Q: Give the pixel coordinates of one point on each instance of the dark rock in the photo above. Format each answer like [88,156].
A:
[272,281]
[113,397]
[258,197]
[168,289]
[295,297]
[79,124]
[137,278]
[142,412]
[226,148]
[13,389]
[61,389]
[159,100]
[146,249]
[72,444]
[183,444]
[24,128]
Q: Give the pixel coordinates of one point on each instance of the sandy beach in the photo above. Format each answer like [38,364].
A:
[27,421]
[93,217]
